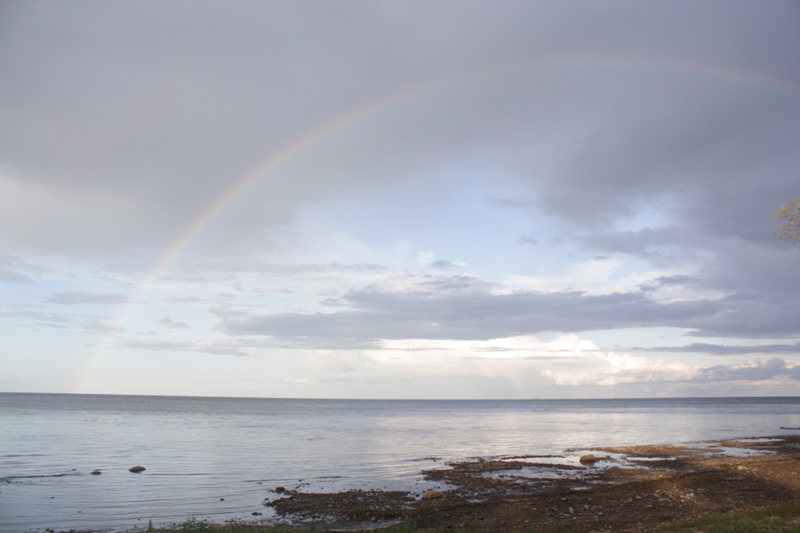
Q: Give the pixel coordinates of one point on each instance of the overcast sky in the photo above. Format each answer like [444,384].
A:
[365,199]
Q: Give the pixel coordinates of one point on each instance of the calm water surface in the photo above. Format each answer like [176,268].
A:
[198,450]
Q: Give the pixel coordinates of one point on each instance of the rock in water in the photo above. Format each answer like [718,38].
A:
[96,472]
[136,469]
[280,490]
[431,494]
[588,460]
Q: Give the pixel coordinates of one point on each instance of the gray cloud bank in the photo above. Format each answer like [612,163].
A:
[116,132]
[665,132]
[761,370]
[718,349]
[457,310]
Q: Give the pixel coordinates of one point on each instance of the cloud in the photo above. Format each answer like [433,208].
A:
[466,308]
[79,297]
[719,349]
[425,258]
[299,269]
[608,137]
[167,322]
[611,369]
[523,138]
[201,346]
[10,276]
[772,368]
[60,321]
[12,269]
[512,203]
[520,347]
[441,264]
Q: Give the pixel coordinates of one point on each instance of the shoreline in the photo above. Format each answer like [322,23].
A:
[631,489]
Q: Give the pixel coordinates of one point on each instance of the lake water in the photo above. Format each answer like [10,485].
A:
[199,450]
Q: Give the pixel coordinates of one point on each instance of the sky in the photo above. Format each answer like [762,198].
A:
[383,199]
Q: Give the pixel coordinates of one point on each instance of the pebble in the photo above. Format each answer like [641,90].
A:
[96,472]
[136,469]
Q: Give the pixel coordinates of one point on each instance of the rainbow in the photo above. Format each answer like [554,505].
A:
[349,118]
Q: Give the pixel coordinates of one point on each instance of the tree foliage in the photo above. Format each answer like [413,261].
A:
[789,214]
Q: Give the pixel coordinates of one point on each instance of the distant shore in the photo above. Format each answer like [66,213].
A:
[630,489]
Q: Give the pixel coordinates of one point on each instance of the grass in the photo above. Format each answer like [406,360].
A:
[781,519]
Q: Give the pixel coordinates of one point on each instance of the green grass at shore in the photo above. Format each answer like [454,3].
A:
[781,519]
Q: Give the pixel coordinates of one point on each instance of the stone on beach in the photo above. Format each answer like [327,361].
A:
[96,472]
[431,494]
[136,469]
[588,459]
[280,490]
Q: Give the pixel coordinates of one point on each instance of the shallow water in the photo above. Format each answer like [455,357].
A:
[199,450]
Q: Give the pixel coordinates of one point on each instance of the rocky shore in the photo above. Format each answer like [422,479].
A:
[631,489]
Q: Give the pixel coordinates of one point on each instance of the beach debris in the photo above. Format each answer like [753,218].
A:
[280,490]
[431,494]
[588,459]
[136,469]
[96,472]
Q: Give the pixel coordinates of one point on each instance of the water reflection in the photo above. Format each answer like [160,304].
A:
[198,451]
